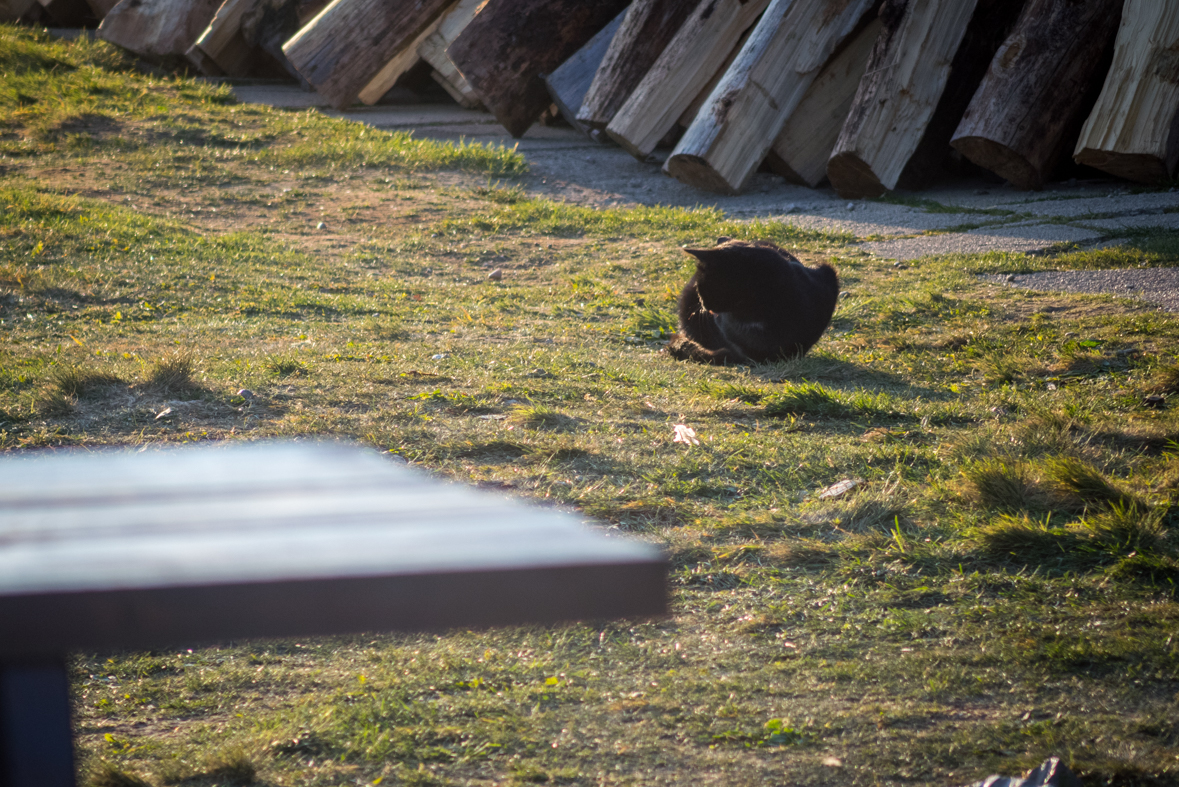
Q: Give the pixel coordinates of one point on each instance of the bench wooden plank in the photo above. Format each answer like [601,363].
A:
[115,550]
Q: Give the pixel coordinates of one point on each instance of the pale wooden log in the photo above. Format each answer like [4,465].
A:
[684,68]
[1133,131]
[402,62]
[919,79]
[735,128]
[801,150]
[510,43]
[349,42]
[688,115]
[568,84]
[1035,90]
[433,51]
[220,50]
[646,30]
[157,28]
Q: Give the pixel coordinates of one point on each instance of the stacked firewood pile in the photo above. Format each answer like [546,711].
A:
[870,95]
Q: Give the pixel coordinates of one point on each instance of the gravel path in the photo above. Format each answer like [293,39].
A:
[1159,286]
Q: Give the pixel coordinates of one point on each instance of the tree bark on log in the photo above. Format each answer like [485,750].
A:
[735,128]
[801,150]
[346,45]
[433,51]
[1133,130]
[156,29]
[567,85]
[702,45]
[1035,90]
[510,43]
[922,73]
[647,29]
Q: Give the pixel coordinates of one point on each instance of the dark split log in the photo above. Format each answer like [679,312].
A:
[1036,88]
[646,30]
[510,43]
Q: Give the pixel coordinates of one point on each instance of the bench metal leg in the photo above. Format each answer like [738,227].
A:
[36,737]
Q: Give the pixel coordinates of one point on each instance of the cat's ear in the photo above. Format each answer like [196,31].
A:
[704,256]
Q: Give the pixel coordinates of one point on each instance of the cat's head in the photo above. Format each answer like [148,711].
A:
[729,274]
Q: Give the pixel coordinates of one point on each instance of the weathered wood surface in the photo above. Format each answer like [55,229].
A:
[188,545]
[157,28]
[923,71]
[740,120]
[694,56]
[220,50]
[689,114]
[510,43]
[433,51]
[1035,91]
[801,150]
[403,61]
[567,85]
[648,27]
[349,42]
[1133,130]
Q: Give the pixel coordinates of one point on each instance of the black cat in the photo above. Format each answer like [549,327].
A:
[750,303]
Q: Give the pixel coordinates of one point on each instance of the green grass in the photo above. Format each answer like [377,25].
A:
[997,587]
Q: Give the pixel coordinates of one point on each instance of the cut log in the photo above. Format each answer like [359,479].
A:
[402,62]
[647,28]
[688,115]
[1133,131]
[220,50]
[505,49]
[923,71]
[433,51]
[735,128]
[568,84]
[801,150]
[350,41]
[1035,90]
[156,29]
[693,57]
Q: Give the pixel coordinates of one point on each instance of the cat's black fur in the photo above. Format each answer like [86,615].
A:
[751,303]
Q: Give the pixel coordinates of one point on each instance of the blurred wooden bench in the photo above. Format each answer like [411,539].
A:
[114,550]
